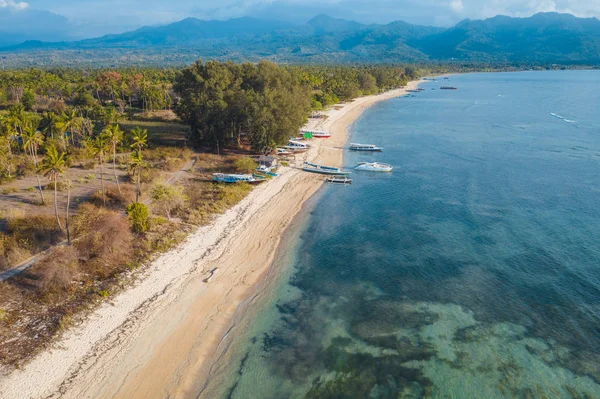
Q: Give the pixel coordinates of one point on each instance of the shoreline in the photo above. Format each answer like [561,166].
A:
[158,337]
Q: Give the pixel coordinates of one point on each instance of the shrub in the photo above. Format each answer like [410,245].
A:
[245,165]
[34,233]
[105,241]
[88,165]
[60,186]
[167,198]
[173,164]
[284,163]
[3,315]
[138,216]
[57,270]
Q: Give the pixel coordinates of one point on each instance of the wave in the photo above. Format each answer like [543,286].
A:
[562,118]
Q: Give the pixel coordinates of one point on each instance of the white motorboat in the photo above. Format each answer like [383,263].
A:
[364,147]
[373,166]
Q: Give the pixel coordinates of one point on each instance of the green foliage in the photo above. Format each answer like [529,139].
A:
[28,99]
[167,198]
[138,216]
[3,315]
[245,165]
[104,293]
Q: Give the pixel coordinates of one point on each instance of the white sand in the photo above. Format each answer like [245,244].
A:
[156,339]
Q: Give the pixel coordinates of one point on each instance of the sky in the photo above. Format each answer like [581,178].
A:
[95,17]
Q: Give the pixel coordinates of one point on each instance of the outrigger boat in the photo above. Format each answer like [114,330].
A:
[233,178]
[373,166]
[339,180]
[364,147]
[323,170]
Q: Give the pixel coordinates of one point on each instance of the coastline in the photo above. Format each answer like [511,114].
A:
[157,338]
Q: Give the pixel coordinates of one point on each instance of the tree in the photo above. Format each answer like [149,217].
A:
[69,185]
[139,138]
[167,198]
[98,148]
[28,99]
[32,139]
[70,122]
[135,166]
[114,135]
[138,216]
[53,166]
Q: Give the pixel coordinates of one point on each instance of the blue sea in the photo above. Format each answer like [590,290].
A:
[470,271]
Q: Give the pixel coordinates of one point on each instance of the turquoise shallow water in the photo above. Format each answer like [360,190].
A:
[471,271]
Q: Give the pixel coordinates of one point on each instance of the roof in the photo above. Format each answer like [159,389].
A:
[266,158]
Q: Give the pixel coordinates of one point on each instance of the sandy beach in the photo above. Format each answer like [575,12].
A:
[157,339]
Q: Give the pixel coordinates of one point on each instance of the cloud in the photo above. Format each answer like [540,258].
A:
[14,5]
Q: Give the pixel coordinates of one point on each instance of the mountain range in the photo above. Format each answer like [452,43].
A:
[542,38]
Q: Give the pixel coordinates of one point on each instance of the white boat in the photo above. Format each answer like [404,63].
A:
[339,180]
[319,134]
[373,166]
[364,147]
[323,170]
[283,151]
[296,146]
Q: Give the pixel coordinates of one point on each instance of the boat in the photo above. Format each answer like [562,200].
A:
[373,166]
[323,170]
[339,180]
[235,178]
[283,151]
[296,146]
[412,91]
[420,89]
[319,134]
[364,147]
[448,88]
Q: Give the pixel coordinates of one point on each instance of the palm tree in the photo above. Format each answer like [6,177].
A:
[69,185]
[139,139]
[114,135]
[7,130]
[32,139]
[70,121]
[52,121]
[136,165]
[98,147]
[16,118]
[53,166]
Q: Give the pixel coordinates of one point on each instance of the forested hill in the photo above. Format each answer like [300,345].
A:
[543,38]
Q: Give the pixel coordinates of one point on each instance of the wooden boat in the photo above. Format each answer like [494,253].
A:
[339,180]
[364,147]
[235,178]
[323,170]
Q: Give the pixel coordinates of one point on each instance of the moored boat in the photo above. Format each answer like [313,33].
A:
[323,170]
[339,180]
[364,147]
[448,88]
[373,167]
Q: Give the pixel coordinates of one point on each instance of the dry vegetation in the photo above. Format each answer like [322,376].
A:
[106,252]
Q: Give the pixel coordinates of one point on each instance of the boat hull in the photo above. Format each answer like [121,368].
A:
[325,172]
